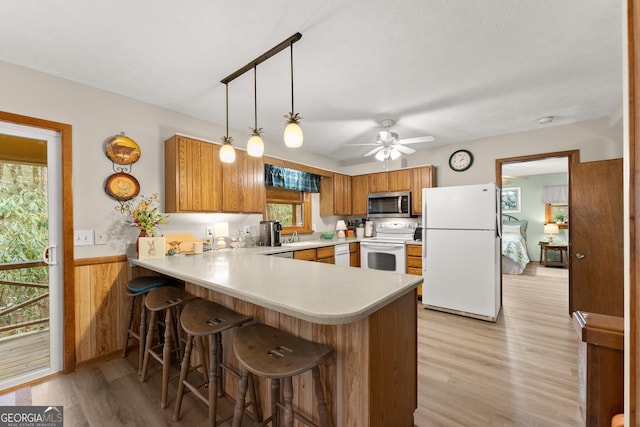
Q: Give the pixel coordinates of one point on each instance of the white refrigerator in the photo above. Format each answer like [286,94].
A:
[461,250]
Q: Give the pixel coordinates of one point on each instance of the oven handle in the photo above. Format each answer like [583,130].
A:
[382,246]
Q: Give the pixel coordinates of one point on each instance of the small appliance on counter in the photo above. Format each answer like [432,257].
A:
[368,229]
[269,233]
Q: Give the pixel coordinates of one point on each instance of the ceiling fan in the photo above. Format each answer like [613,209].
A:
[388,145]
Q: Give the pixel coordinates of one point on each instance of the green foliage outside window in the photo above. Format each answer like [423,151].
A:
[280,212]
[23,237]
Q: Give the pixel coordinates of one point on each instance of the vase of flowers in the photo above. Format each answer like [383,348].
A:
[146,217]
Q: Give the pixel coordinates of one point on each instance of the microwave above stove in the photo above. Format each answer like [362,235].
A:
[389,205]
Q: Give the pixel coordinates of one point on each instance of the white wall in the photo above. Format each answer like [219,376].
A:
[596,139]
[96,116]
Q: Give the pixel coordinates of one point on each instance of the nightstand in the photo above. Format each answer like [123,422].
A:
[562,249]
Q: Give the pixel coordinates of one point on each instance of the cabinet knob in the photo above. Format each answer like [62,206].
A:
[580,255]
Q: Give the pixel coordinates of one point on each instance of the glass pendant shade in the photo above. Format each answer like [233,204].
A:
[227,153]
[293,135]
[255,146]
[381,155]
[395,154]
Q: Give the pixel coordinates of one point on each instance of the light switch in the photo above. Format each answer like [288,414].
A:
[83,238]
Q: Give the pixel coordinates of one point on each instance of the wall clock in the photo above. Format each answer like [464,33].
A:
[460,160]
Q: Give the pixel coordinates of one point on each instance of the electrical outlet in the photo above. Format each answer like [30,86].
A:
[101,237]
[210,231]
[246,230]
[83,238]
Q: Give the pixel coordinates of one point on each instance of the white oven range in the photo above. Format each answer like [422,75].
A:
[387,250]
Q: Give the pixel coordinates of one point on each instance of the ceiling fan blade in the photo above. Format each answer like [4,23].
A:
[403,149]
[416,140]
[361,144]
[375,150]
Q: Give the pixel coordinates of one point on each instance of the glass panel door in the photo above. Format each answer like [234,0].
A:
[30,234]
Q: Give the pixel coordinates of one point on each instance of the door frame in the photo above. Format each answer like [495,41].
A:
[68,277]
[573,157]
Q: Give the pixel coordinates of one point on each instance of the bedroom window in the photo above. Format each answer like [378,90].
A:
[291,208]
[558,214]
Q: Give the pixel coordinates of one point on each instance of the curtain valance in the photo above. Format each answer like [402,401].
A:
[291,179]
[555,194]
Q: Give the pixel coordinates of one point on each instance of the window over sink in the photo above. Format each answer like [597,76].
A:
[291,208]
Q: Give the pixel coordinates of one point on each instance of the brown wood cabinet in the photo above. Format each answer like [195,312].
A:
[601,366]
[193,175]
[335,195]
[243,184]
[422,177]
[414,262]
[305,254]
[354,254]
[398,180]
[359,192]
[326,254]
[378,182]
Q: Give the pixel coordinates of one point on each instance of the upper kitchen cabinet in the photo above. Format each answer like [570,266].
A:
[359,192]
[398,180]
[243,184]
[193,175]
[422,177]
[335,195]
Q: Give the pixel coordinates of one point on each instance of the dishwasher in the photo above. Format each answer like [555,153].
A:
[341,254]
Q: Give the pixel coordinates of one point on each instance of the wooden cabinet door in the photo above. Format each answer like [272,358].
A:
[422,177]
[378,182]
[359,192]
[305,254]
[596,252]
[354,254]
[243,184]
[335,195]
[398,180]
[193,176]
[342,194]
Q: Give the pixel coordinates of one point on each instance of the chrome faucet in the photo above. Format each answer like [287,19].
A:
[294,235]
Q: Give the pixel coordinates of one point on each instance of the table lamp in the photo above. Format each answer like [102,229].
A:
[550,230]
[221,230]
[341,227]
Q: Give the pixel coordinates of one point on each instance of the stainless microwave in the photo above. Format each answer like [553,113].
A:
[389,205]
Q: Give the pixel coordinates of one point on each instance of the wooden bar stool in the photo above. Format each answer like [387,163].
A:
[139,287]
[271,353]
[167,299]
[202,318]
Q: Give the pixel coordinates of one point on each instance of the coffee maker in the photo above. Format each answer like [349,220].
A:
[269,233]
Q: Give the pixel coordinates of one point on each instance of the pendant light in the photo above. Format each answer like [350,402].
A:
[255,146]
[227,152]
[292,132]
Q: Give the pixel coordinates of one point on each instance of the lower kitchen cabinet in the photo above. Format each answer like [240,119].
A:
[305,254]
[414,263]
[326,254]
[354,254]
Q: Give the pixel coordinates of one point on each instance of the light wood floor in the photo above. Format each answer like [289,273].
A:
[520,371]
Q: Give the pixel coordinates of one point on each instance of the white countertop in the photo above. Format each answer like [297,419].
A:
[313,291]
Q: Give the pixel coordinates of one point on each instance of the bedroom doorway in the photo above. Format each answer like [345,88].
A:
[536,184]
[594,237]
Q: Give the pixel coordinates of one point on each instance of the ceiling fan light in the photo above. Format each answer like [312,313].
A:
[381,155]
[255,146]
[293,135]
[227,153]
[394,154]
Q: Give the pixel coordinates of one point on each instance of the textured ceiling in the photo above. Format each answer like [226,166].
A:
[457,70]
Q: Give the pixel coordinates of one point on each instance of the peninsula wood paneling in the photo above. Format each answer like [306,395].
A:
[362,379]
[100,306]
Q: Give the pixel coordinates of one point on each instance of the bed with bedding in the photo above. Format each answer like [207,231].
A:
[514,245]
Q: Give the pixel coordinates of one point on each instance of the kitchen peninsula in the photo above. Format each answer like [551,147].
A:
[368,316]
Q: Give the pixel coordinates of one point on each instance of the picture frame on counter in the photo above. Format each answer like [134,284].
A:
[150,247]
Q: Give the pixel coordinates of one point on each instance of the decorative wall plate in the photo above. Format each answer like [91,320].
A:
[122,186]
[123,150]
